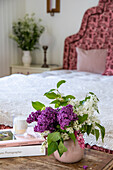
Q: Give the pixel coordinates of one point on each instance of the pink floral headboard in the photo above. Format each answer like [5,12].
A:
[96,32]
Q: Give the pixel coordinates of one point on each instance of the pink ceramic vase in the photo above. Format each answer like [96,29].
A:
[74,152]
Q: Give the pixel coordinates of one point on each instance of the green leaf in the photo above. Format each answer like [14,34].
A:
[37,105]
[97,134]
[94,95]
[57,105]
[58,126]
[61,148]
[63,103]
[50,91]
[88,97]
[55,102]
[72,136]
[52,147]
[92,132]
[97,111]
[51,95]
[82,102]
[89,127]
[102,129]
[91,93]
[60,82]
[65,99]
[70,97]
[83,118]
[53,137]
[59,129]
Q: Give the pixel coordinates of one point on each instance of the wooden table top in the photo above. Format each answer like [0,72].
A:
[95,160]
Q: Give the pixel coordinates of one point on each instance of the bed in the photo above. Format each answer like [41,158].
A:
[17,90]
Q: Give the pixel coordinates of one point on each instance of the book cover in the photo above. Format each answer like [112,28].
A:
[12,145]
[21,151]
[6,135]
[8,139]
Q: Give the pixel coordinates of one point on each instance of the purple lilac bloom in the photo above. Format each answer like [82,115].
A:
[47,120]
[66,115]
[33,116]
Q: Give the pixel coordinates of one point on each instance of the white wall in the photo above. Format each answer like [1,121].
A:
[60,26]
[10,10]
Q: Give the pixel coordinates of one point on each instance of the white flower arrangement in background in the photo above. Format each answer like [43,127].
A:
[26,32]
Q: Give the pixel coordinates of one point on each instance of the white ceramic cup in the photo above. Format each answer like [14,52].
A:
[19,125]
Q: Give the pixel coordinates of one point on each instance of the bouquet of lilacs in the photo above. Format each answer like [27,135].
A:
[68,119]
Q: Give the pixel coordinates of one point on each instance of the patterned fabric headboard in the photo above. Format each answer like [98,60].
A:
[96,32]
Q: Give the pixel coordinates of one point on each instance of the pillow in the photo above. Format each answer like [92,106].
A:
[109,63]
[91,60]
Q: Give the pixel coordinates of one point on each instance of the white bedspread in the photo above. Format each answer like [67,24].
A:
[17,91]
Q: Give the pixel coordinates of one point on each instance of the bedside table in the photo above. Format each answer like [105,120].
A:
[32,69]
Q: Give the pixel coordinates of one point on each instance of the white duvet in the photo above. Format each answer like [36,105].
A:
[17,91]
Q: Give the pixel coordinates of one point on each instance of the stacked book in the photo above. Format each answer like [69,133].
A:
[19,146]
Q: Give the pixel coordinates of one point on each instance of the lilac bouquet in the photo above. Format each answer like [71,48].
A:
[70,118]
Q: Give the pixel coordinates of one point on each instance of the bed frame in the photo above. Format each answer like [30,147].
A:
[96,32]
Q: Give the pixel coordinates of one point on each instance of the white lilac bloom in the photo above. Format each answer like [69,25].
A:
[81,110]
[45,133]
[44,145]
[94,119]
[76,125]
[77,102]
[65,136]
[72,102]
[70,130]
[91,120]
[93,101]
